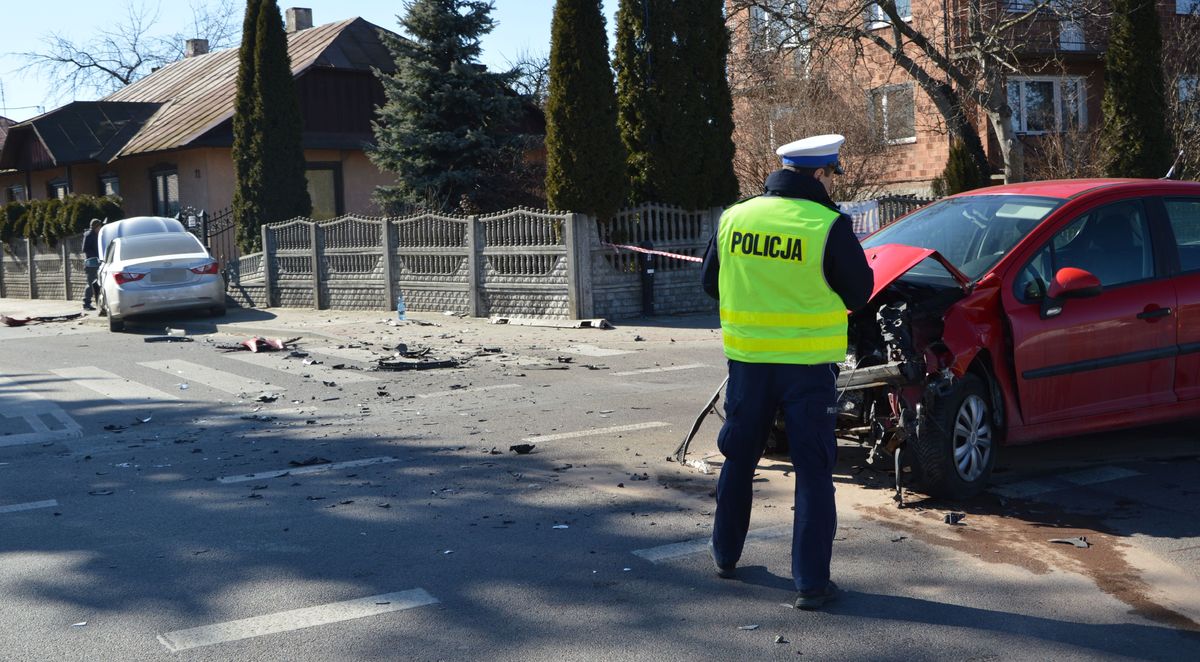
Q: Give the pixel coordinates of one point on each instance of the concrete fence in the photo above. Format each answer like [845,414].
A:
[517,263]
[31,269]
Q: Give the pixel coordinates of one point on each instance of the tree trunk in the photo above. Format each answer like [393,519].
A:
[1011,147]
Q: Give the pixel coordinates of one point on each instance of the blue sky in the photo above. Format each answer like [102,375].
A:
[524,27]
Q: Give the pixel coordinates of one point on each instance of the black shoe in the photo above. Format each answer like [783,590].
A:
[723,571]
[88,306]
[815,599]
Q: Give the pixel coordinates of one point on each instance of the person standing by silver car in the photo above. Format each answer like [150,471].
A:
[91,263]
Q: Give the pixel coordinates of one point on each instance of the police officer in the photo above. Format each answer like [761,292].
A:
[91,263]
[785,267]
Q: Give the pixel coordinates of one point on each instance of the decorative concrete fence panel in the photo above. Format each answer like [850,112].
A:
[293,264]
[247,280]
[617,278]
[352,264]
[433,263]
[525,265]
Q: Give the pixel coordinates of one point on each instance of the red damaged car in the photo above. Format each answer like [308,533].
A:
[1018,313]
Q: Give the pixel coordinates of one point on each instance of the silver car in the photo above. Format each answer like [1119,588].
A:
[158,272]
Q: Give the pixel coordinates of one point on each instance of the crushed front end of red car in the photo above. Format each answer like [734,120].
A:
[911,371]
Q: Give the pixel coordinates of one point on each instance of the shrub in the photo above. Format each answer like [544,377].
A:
[54,219]
[962,173]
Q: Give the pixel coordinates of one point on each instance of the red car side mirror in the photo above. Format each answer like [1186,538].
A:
[1073,283]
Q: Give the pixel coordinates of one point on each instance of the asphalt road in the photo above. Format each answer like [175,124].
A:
[151,508]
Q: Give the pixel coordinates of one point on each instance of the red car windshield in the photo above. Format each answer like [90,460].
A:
[972,232]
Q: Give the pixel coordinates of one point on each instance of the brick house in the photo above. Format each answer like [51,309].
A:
[164,141]
[1060,85]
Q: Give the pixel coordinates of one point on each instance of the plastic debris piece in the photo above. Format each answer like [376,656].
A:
[1079,541]
[184,386]
[954,518]
[561,526]
[521,449]
[166,339]
[100,492]
[448,551]
[178,333]
[308,462]
[330,384]
[79,624]
[899,538]
[268,397]
[13,321]
[700,465]
[748,627]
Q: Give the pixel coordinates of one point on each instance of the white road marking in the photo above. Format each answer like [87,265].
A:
[1029,488]
[295,619]
[295,368]
[233,384]
[689,547]
[28,418]
[597,431]
[32,505]
[314,469]
[592,350]
[1098,475]
[478,389]
[112,385]
[673,368]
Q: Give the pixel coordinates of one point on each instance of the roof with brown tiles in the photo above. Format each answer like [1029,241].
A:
[197,93]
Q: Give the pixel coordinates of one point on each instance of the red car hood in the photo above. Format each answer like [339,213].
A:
[891,261]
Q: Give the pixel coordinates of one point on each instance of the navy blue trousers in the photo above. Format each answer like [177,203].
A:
[807,395]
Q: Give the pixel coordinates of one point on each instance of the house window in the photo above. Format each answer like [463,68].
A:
[15,193]
[110,184]
[875,17]
[164,191]
[773,24]
[1047,104]
[1187,7]
[1188,89]
[894,113]
[325,189]
[57,188]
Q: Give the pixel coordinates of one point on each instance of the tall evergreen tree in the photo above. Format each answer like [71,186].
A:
[1134,136]
[585,160]
[447,124]
[272,185]
[644,55]
[247,170]
[703,132]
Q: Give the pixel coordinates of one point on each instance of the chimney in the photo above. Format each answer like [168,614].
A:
[297,19]
[194,47]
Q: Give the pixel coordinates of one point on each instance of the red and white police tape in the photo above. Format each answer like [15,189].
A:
[648,251]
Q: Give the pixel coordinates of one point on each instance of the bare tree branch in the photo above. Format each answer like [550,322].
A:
[117,56]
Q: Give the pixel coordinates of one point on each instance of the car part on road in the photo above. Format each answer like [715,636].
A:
[16,321]
[597,323]
[166,338]
[954,518]
[522,449]
[404,364]
[1078,541]
[680,453]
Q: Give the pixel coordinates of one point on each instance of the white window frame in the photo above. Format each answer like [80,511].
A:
[882,122]
[17,193]
[875,18]
[106,179]
[764,24]
[1187,7]
[1187,89]
[1020,115]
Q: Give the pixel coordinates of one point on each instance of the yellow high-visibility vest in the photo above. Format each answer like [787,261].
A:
[776,306]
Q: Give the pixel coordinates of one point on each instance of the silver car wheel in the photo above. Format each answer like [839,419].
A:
[972,438]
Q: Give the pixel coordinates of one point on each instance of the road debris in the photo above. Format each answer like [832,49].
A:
[954,518]
[101,492]
[257,344]
[597,323]
[16,321]
[267,397]
[167,339]
[522,449]
[780,640]
[700,465]
[1078,541]
[79,624]
[748,627]
[561,526]
[396,363]
[314,460]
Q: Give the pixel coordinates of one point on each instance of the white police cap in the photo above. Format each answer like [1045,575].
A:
[813,152]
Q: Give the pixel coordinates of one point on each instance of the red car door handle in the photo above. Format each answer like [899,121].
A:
[1154,314]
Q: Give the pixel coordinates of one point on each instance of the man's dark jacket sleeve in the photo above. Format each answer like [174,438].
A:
[846,268]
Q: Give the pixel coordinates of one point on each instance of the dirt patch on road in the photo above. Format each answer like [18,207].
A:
[1018,533]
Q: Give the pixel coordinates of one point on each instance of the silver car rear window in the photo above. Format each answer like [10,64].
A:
[174,243]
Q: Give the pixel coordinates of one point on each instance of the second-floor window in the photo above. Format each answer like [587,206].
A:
[164,192]
[1188,89]
[877,18]
[1047,104]
[1187,7]
[894,113]
[775,24]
